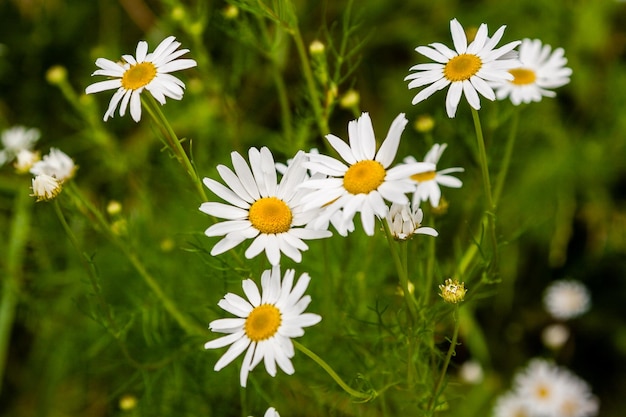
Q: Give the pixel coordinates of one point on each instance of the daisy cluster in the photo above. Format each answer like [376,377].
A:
[278,208]
[563,300]
[50,172]
[543,389]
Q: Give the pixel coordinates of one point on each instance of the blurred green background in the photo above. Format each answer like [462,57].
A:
[563,213]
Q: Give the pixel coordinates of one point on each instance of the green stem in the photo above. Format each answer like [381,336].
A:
[402,270]
[167,303]
[322,123]
[455,334]
[19,230]
[365,396]
[506,159]
[490,211]
[154,109]
[430,266]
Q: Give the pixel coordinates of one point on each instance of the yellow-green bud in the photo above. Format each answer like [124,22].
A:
[56,74]
[452,291]
[424,123]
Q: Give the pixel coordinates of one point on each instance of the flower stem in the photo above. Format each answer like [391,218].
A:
[402,269]
[322,123]
[365,396]
[11,282]
[153,108]
[506,159]
[451,350]
[490,211]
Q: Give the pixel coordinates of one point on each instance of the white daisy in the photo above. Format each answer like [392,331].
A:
[321,222]
[541,69]
[16,139]
[576,399]
[260,208]
[555,336]
[565,299]
[363,184]
[428,182]
[56,164]
[467,69]
[45,187]
[150,71]
[25,159]
[405,221]
[265,323]
[541,385]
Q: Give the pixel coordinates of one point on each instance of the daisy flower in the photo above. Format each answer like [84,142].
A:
[56,164]
[45,187]
[540,384]
[467,69]
[428,182]
[16,139]
[366,181]
[404,222]
[541,69]
[271,412]
[150,71]
[265,323]
[566,299]
[576,399]
[261,209]
[25,159]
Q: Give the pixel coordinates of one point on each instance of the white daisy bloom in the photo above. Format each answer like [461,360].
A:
[467,69]
[541,385]
[271,412]
[45,187]
[363,185]
[404,222]
[576,399]
[540,71]
[16,139]
[428,182]
[56,164]
[25,159]
[260,208]
[555,336]
[566,299]
[265,323]
[150,71]
[321,222]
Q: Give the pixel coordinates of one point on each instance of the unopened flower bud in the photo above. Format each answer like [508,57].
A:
[56,74]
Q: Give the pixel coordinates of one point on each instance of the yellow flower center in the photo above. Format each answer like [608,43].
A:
[138,75]
[270,215]
[364,177]
[462,67]
[424,176]
[523,76]
[262,322]
[543,391]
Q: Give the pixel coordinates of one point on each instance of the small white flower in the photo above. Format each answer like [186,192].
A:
[150,71]
[471,372]
[555,336]
[428,182]
[363,185]
[404,222]
[467,69]
[16,139]
[576,399]
[45,187]
[25,160]
[261,209]
[565,299]
[540,71]
[56,164]
[271,412]
[265,323]
[540,385]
